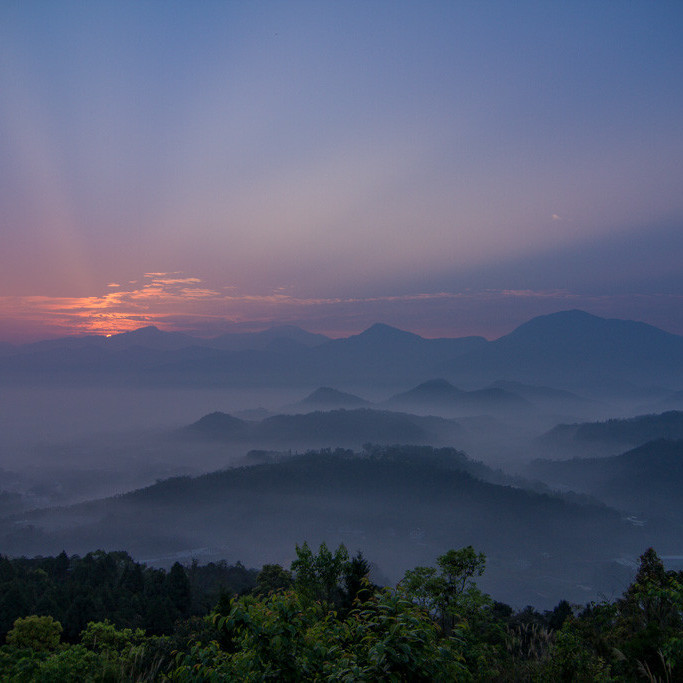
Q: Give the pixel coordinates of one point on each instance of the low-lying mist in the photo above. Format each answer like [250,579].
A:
[60,445]
[67,445]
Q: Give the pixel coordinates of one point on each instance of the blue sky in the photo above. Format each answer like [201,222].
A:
[446,167]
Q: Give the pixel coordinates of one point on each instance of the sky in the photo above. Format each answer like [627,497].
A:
[450,168]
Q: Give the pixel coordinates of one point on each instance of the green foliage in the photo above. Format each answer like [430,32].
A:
[201,663]
[649,627]
[287,637]
[272,578]
[459,566]
[19,665]
[210,582]
[319,576]
[568,659]
[270,636]
[357,580]
[99,586]
[35,633]
[75,664]
[333,625]
[451,594]
[390,638]
[638,636]
[268,641]
[103,635]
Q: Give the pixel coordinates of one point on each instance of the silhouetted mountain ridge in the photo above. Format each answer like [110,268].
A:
[612,435]
[441,396]
[647,480]
[402,506]
[346,428]
[571,350]
[327,397]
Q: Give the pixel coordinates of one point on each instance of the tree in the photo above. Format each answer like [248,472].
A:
[132,579]
[179,590]
[83,608]
[103,635]
[7,571]
[319,577]
[13,604]
[649,625]
[272,578]
[286,637]
[356,580]
[270,637]
[451,594]
[389,638]
[458,567]
[35,633]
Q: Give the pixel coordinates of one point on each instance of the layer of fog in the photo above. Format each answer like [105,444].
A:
[59,446]
[64,445]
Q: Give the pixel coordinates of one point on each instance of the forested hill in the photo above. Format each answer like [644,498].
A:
[345,428]
[401,506]
[611,436]
[645,481]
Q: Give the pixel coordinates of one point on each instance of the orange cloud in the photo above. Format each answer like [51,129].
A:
[173,302]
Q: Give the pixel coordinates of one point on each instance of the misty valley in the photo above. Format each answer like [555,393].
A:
[555,451]
[341,341]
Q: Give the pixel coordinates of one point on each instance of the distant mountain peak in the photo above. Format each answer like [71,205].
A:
[217,423]
[146,330]
[572,314]
[384,331]
[572,319]
[578,321]
[151,337]
[327,396]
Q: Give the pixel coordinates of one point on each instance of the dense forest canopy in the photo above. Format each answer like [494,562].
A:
[105,617]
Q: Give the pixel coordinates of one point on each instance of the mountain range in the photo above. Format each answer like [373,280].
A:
[331,428]
[645,481]
[439,396]
[575,349]
[327,398]
[568,351]
[401,506]
[609,437]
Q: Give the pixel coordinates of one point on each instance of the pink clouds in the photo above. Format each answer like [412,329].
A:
[174,302]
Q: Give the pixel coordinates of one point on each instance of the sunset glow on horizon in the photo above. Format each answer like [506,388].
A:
[175,303]
[447,168]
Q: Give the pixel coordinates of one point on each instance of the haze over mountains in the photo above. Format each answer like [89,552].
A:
[204,445]
[402,505]
[440,395]
[345,428]
[327,398]
[576,349]
[610,437]
[646,481]
[339,237]
[571,351]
